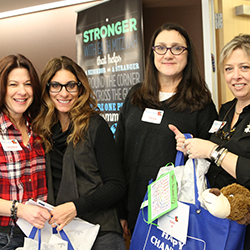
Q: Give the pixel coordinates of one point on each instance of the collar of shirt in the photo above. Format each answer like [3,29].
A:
[6,123]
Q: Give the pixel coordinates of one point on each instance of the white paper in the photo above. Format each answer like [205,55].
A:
[81,234]
[175,222]
[54,244]
[27,227]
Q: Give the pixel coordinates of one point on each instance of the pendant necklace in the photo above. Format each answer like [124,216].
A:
[237,112]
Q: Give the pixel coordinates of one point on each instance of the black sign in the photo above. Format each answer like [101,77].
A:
[110,50]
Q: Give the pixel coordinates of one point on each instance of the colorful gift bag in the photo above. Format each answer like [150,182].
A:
[205,232]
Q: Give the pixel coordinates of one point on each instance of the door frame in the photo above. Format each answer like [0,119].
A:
[209,48]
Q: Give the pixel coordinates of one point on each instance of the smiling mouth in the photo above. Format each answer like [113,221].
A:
[64,102]
[20,100]
[239,85]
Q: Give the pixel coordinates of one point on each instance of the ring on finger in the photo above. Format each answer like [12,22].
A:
[183,146]
[56,224]
[188,152]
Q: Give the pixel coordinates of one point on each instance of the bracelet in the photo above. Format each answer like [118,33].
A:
[222,156]
[13,210]
[215,154]
[214,147]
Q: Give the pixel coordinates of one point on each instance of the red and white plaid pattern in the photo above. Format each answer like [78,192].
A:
[22,173]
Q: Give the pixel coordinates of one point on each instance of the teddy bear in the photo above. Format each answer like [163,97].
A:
[232,202]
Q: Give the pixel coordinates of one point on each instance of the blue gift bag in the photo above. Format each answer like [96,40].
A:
[205,231]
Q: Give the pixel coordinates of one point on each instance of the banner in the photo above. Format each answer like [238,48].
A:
[110,50]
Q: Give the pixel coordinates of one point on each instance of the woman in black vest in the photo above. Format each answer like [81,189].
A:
[84,172]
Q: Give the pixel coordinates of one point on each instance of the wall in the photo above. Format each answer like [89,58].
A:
[41,36]
[188,16]
[232,26]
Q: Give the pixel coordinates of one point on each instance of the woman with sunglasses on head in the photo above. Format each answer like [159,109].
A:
[84,173]
[173,91]
[22,157]
[228,148]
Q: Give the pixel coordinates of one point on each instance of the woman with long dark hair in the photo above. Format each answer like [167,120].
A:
[173,91]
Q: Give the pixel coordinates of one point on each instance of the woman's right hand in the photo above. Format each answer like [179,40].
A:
[124,225]
[35,215]
[180,139]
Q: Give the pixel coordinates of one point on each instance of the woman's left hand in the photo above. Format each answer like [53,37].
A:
[62,215]
[199,148]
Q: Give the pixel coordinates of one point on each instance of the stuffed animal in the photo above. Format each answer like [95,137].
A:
[232,202]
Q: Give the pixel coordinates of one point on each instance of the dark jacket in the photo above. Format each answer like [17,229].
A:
[146,147]
[91,177]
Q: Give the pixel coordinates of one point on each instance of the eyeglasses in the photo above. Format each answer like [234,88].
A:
[225,135]
[162,50]
[56,87]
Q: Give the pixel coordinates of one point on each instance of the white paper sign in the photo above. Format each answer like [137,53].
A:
[175,222]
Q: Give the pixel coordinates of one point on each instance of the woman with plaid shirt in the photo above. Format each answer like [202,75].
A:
[22,159]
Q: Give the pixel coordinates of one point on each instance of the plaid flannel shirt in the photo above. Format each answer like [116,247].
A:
[22,173]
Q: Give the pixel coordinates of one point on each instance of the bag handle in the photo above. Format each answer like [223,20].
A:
[33,234]
[64,236]
[62,233]
[180,161]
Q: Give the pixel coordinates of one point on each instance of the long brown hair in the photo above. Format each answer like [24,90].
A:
[192,91]
[7,64]
[82,110]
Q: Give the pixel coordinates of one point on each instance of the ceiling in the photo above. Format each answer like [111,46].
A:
[7,5]
[17,4]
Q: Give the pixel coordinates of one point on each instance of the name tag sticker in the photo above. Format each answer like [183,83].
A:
[152,115]
[216,126]
[11,145]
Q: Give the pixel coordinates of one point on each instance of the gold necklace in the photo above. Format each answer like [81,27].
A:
[237,113]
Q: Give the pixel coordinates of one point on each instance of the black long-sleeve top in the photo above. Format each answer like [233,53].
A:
[90,174]
[238,143]
[146,147]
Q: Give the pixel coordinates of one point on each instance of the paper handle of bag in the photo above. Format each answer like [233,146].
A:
[33,234]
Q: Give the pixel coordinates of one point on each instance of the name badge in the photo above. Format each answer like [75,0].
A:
[11,145]
[152,115]
[216,126]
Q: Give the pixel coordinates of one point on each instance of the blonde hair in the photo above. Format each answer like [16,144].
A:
[242,41]
[82,110]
